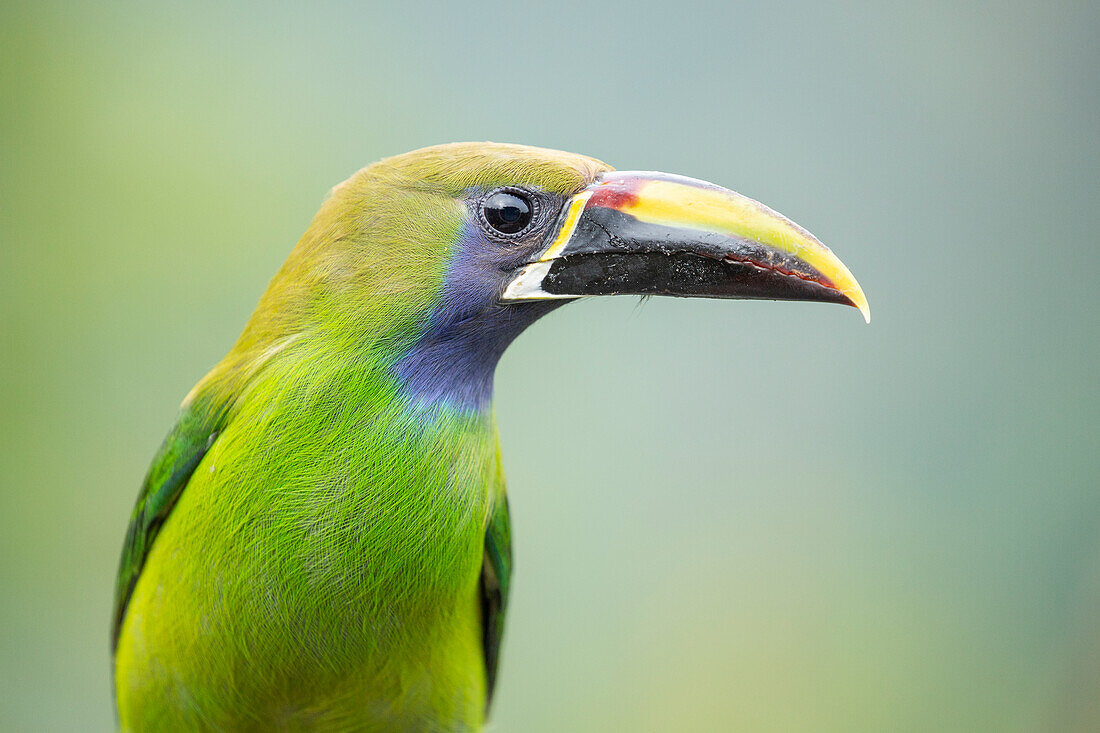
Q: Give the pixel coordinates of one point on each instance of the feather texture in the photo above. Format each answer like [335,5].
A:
[317,544]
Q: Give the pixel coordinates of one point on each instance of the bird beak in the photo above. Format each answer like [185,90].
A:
[641,233]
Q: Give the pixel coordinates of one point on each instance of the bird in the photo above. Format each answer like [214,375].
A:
[322,541]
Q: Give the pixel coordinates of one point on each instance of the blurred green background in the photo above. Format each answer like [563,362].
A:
[757,516]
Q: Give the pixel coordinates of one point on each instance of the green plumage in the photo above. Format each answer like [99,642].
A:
[313,548]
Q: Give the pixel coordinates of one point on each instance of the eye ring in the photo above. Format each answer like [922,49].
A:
[509,212]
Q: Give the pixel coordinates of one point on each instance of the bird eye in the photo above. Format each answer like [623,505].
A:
[508,212]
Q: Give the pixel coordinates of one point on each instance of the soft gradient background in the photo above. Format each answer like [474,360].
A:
[757,516]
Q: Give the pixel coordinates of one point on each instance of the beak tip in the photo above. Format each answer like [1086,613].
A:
[864,307]
[854,296]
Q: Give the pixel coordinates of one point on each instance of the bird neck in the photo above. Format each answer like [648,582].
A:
[454,360]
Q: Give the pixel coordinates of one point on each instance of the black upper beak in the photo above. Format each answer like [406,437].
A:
[654,234]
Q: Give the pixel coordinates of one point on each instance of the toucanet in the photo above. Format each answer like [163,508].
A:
[322,541]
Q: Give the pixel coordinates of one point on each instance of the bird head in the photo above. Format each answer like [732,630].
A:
[437,259]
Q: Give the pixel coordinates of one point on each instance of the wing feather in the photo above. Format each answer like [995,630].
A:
[496,576]
[171,469]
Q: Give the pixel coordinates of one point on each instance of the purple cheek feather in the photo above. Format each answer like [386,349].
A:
[453,362]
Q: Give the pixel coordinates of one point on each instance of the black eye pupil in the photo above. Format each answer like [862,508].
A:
[507,212]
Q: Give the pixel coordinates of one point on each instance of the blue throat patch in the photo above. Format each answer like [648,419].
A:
[453,362]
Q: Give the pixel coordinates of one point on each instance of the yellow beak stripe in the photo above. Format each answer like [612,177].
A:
[710,208]
[576,208]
